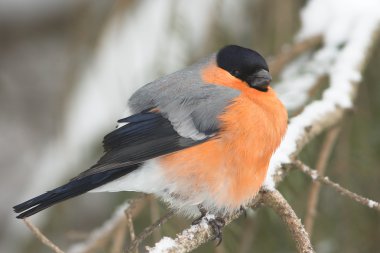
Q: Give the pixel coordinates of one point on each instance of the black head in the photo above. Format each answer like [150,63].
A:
[245,64]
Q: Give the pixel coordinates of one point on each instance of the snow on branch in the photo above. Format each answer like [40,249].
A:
[344,76]
[196,235]
[343,62]
[343,191]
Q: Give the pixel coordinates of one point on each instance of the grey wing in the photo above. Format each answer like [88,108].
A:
[193,109]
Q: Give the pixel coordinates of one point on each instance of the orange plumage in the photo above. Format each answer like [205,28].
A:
[233,165]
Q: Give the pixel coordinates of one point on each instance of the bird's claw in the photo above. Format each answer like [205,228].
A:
[217,224]
[203,214]
[244,211]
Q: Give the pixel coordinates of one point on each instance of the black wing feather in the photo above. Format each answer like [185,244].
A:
[145,136]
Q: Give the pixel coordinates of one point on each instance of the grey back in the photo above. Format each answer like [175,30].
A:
[190,105]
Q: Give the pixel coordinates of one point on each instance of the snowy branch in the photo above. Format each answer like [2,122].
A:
[196,235]
[148,231]
[313,174]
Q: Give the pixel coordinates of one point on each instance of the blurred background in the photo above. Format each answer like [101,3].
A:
[67,69]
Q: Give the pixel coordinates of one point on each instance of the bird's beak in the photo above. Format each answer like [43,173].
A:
[260,80]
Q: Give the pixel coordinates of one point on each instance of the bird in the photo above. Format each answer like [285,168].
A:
[200,139]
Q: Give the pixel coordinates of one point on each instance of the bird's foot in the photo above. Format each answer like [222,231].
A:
[216,223]
[244,211]
[203,214]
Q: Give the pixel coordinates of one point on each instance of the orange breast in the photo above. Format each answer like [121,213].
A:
[231,167]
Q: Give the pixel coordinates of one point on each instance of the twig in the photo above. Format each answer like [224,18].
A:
[276,201]
[100,235]
[131,228]
[148,231]
[277,64]
[119,237]
[316,186]
[154,215]
[343,191]
[196,235]
[42,238]
[132,234]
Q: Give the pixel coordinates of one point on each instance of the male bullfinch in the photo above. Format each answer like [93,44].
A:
[200,138]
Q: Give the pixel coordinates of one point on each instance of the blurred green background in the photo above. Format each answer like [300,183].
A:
[54,59]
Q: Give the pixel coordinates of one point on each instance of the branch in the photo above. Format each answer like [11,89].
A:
[196,235]
[100,235]
[41,237]
[148,231]
[343,191]
[324,155]
[276,201]
[330,109]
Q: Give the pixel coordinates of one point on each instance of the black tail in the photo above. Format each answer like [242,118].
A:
[72,189]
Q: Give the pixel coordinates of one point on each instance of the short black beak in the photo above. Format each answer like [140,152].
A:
[260,80]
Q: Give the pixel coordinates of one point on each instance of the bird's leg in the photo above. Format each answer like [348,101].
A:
[216,224]
[244,211]
[203,214]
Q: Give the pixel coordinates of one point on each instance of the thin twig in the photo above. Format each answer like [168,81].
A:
[131,228]
[42,237]
[343,191]
[324,156]
[276,201]
[119,237]
[101,235]
[155,215]
[149,230]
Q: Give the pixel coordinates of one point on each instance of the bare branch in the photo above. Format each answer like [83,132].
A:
[41,237]
[119,237]
[99,236]
[276,201]
[132,234]
[320,167]
[343,191]
[148,231]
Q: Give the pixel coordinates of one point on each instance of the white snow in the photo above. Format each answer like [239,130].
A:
[347,28]
[163,245]
[314,174]
[372,204]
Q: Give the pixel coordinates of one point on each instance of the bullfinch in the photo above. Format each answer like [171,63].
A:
[200,139]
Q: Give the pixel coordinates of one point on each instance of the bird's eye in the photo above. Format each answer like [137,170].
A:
[235,72]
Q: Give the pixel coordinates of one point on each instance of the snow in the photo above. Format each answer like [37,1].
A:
[314,174]
[372,204]
[347,28]
[163,245]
